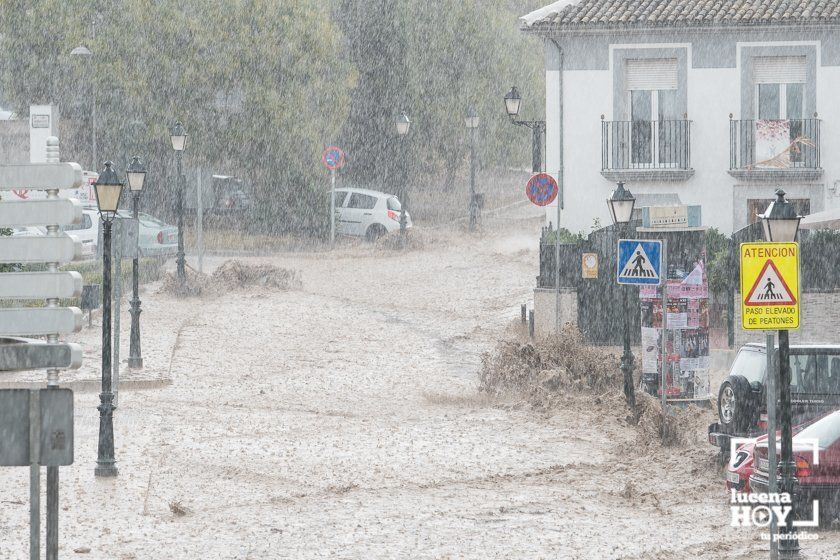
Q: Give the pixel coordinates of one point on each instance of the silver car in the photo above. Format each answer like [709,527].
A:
[366,213]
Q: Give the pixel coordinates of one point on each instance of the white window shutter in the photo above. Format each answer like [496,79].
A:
[779,70]
[651,74]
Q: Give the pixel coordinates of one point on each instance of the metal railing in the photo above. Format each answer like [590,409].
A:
[774,144]
[645,145]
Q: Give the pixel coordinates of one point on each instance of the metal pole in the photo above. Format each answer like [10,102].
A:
[403,196]
[105,463]
[536,146]
[117,285]
[52,383]
[332,208]
[180,260]
[135,357]
[627,356]
[472,180]
[34,476]
[52,513]
[772,486]
[557,270]
[730,297]
[788,547]
[199,219]
[663,385]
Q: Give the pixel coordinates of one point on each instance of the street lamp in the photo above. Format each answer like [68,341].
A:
[781,225]
[108,188]
[84,52]
[621,205]
[402,124]
[136,173]
[471,119]
[178,136]
[513,102]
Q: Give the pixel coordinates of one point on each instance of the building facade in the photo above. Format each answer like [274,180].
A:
[715,104]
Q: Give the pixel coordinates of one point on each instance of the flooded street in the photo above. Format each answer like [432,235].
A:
[343,420]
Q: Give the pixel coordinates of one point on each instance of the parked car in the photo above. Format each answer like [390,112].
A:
[816,451]
[366,213]
[156,238]
[742,401]
[231,196]
[741,464]
[85,232]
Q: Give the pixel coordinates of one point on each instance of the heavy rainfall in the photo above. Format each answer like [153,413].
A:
[445,279]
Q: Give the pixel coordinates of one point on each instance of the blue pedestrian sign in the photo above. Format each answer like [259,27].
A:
[639,261]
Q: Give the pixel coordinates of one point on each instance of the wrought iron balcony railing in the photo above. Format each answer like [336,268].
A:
[774,144]
[643,145]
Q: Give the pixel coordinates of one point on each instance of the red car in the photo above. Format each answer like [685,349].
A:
[816,450]
[740,466]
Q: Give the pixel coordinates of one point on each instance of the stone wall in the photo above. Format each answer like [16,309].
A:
[819,322]
[545,309]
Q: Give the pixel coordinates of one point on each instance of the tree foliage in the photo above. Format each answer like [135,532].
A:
[262,86]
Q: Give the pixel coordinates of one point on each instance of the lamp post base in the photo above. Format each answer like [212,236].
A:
[135,363]
[106,471]
[106,464]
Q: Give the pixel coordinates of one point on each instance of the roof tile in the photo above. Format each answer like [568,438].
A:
[610,13]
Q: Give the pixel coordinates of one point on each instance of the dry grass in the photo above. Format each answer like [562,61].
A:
[563,372]
[179,509]
[231,276]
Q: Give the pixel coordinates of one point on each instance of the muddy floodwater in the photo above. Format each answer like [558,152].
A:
[341,419]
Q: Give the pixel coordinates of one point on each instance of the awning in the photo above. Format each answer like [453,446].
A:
[827,219]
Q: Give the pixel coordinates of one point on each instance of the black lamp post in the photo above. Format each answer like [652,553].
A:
[108,189]
[178,136]
[136,173]
[781,225]
[513,101]
[402,124]
[621,205]
[471,119]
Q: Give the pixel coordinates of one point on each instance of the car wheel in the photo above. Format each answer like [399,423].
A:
[374,232]
[734,404]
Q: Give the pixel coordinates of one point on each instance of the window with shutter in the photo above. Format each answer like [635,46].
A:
[779,69]
[651,74]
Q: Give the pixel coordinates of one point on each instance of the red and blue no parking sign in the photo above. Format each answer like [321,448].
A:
[333,158]
[541,189]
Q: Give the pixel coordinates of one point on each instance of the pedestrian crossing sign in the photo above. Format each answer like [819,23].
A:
[639,261]
[769,286]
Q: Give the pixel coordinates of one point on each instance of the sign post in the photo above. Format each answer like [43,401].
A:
[770,301]
[639,263]
[333,159]
[542,189]
[39,424]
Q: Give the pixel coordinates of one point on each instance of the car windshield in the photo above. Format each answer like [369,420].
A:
[394,204]
[825,432]
[751,364]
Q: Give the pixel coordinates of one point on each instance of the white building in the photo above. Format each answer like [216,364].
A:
[714,104]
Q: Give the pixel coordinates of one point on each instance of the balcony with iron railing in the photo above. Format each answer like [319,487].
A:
[646,150]
[773,150]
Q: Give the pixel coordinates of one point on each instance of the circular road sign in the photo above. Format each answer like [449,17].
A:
[541,189]
[333,158]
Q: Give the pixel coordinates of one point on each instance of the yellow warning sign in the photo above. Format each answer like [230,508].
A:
[769,286]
